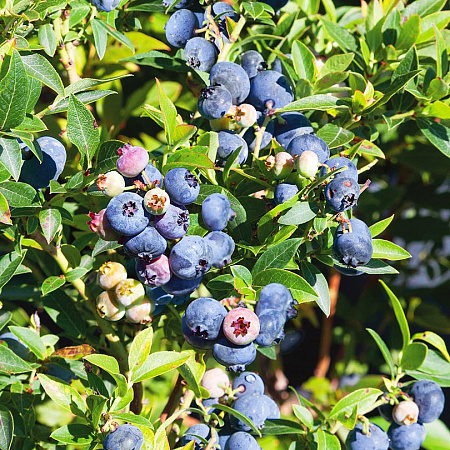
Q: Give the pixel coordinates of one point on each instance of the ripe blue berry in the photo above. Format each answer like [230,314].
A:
[253,63]
[300,144]
[222,247]
[216,212]
[242,441]
[182,186]
[180,27]
[105,5]
[430,399]
[273,411]
[126,214]
[201,430]
[214,102]
[148,244]
[342,194]
[232,77]
[248,383]
[153,273]
[174,223]
[204,316]
[228,143]
[406,437]
[179,287]
[193,339]
[200,54]
[276,296]
[271,327]
[234,357]
[222,10]
[290,125]
[284,192]
[252,406]
[336,163]
[376,439]
[270,89]
[126,437]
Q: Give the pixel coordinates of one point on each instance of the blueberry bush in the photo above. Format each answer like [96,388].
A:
[187,188]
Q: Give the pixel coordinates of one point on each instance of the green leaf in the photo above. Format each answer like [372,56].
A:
[326,440]
[438,89]
[278,427]
[107,156]
[320,102]
[335,136]
[103,246]
[242,273]
[7,428]
[304,415]
[435,368]
[254,9]
[47,38]
[50,221]
[388,250]
[340,35]
[439,20]
[38,67]
[379,227]
[268,352]
[182,134]
[188,159]
[399,314]
[423,8]
[11,155]
[299,287]
[437,134]
[329,80]
[114,33]
[413,356]
[441,54]
[278,256]
[74,433]
[337,63]
[82,129]
[435,340]
[78,12]
[409,63]
[303,61]
[5,317]
[13,90]
[301,212]
[50,284]
[159,363]
[31,339]
[320,285]
[409,33]
[88,83]
[10,363]
[133,419]
[140,349]
[8,266]
[223,282]
[384,351]
[438,436]
[438,109]
[100,38]
[18,194]
[5,213]
[238,415]
[361,398]
[192,372]
[169,112]
[84,97]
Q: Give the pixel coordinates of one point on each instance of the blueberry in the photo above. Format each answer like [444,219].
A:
[180,27]
[336,163]
[406,437]
[270,89]
[377,439]
[273,411]
[54,157]
[201,430]
[222,247]
[158,295]
[252,406]
[241,326]
[126,437]
[224,39]
[228,143]
[276,296]
[234,357]
[386,411]
[216,382]
[300,144]
[194,340]
[200,53]
[204,316]
[253,63]
[216,212]
[153,273]
[284,192]
[140,313]
[342,194]
[100,224]
[126,214]
[110,274]
[129,292]
[190,258]
[348,271]
[430,399]
[178,287]
[182,186]
[150,177]
[281,165]
[222,10]
[15,345]
[214,102]
[307,164]
[290,125]
[224,434]
[132,160]
[353,248]
[174,223]
[105,5]
[108,307]
[277,66]
[271,327]
[233,78]
[248,383]
[405,413]
[111,183]
[250,136]
[242,441]
[148,244]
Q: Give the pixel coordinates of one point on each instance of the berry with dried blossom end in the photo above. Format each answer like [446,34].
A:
[132,160]
[110,274]
[429,398]
[245,115]
[111,183]
[140,313]
[125,437]
[100,224]
[307,164]
[373,438]
[216,382]
[182,186]
[241,326]
[156,201]
[108,307]
[283,163]
[204,316]
[129,292]
[405,413]
[153,273]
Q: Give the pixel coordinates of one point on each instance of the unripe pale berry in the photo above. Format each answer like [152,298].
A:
[99,224]
[241,326]
[111,183]
[132,160]
[245,115]
[129,292]
[156,201]
[405,413]
[140,313]
[282,165]
[224,123]
[108,308]
[216,382]
[110,274]
[307,164]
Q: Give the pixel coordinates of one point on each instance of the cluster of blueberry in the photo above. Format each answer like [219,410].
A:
[246,395]
[206,324]
[147,225]
[423,402]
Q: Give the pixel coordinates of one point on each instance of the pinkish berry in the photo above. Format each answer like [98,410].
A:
[307,164]
[154,273]
[108,308]
[132,160]
[283,165]
[140,313]
[216,382]
[129,292]
[110,274]
[99,224]
[405,413]
[241,326]
[156,201]
[111,183]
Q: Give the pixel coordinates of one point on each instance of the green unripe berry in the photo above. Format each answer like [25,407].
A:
[140,313]
[111,183]
[108,308]
[307,164]
[129,292]
[110,274]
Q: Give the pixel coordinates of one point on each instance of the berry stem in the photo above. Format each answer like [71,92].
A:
[259,136]
[234,35]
